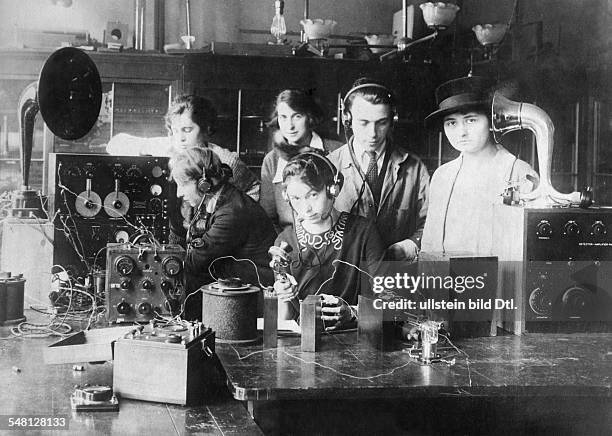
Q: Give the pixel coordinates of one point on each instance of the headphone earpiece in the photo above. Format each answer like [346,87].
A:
[203,185]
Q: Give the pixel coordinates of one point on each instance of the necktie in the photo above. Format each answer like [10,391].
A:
[372,172]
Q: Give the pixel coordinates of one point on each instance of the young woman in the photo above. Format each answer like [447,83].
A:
[226,222]
[464,190]
[191,121]
[321,237]
[294,119]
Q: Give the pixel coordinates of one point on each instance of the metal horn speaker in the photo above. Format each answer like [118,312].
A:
[68,95]
[508,115]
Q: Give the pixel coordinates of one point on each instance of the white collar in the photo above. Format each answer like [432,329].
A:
[315,142]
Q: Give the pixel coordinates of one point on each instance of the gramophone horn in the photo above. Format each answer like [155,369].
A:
[505,115]
[68,94]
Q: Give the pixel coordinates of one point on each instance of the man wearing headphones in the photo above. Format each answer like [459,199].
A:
[332,251]
[382,181]
[227,222]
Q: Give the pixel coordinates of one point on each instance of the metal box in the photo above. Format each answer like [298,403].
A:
[157,368]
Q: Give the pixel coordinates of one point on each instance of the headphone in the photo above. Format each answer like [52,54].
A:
[209,172]
[333,186]
[347,117]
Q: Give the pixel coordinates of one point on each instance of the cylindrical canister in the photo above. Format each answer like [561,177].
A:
[13,288]
[232,314]
[99,280]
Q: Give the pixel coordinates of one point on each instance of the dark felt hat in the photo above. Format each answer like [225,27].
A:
[458,95]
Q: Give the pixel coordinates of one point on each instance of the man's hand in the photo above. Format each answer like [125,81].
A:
[286,290]
[335,312]
[403,250]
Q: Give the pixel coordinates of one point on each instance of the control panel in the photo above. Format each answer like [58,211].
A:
[98,199]
[568,266]
[143,281]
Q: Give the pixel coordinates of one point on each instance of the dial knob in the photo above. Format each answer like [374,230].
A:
[144,308]
[147,284]
[544,229]
[571,228]
[155,205]
[133,173]
[126,283]
[576,302]
[124,265]
[172,266]
[598,228]
[165,285]
[540,302]
[123,308]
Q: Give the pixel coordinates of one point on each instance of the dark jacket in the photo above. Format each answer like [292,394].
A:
[360,246]
[404,199]
[238,227]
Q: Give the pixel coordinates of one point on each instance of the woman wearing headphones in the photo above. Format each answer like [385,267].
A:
[227,222]
[326,243]
[295,116]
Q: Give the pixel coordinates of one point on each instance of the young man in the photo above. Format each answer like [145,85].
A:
[463,191]
[382,181]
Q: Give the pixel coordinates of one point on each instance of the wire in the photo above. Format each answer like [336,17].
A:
[237,260]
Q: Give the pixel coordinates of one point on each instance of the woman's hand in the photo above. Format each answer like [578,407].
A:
[286,289]
[335,312]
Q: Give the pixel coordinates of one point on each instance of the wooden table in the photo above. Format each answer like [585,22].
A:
[556,381]
[37,388]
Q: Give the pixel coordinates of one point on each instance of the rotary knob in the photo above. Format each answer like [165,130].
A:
[165,286]
[576,302]
[540,302]
[544,229]
[147,284]
[124,265]
[598,228]
[571,228]
[123,308]
[125,284]
[144,308]
[172,266]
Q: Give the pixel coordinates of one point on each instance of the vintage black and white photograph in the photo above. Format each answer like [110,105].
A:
[306,217]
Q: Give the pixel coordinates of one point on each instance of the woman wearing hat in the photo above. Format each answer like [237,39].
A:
[464,190]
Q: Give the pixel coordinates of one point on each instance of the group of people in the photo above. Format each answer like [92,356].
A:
[342,208]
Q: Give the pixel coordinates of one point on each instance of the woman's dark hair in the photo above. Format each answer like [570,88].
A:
[310,170]
[300,101]
[203,113]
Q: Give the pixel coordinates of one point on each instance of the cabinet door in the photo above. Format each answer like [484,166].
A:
[134,108]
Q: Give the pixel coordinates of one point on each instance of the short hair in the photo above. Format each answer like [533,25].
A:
[300,101]
[194,163]
[371,94]
[203,113]
[310,170]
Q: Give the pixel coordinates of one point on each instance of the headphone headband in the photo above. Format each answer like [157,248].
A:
[347,117]
[366,85]
[333,189]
